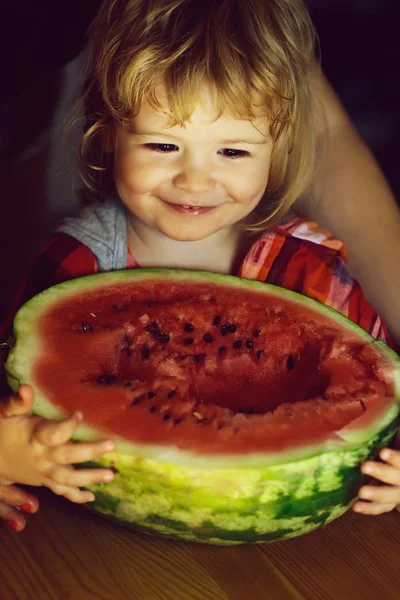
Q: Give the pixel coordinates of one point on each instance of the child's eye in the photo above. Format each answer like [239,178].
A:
[164,148]
[231,153]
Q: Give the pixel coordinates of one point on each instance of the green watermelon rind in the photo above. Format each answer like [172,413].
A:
[22,356]
[233,505]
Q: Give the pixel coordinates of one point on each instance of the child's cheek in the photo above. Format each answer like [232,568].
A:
[139,178]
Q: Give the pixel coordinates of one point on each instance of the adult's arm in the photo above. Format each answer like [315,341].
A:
[350,197]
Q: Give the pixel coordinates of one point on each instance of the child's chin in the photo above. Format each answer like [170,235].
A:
[188,235]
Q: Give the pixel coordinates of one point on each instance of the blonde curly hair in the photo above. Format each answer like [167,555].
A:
[255,54]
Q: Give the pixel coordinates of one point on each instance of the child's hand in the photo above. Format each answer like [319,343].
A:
[14,499]
[37,451]
[378,499]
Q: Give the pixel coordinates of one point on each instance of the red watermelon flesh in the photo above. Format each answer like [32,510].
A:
[209,368]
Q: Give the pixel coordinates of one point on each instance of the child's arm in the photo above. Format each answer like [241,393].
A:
[351,198]
[62,258]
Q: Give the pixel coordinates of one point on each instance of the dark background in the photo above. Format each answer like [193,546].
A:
[360,49]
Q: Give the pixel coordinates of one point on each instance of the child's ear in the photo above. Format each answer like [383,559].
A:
[109,138]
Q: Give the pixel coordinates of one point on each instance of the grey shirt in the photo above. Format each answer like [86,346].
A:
[102,228]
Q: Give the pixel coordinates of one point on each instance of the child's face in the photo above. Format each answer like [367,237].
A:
[190,182]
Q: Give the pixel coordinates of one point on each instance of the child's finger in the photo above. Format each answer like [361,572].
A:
[74,494]
[14,519]
[392,457]
[382,472]
[372,508]
[71,477]
[19,403]
[54,433]
[80,452]
[384,494]
[16,496]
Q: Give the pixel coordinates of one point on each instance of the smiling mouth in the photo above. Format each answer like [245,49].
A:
[190,210]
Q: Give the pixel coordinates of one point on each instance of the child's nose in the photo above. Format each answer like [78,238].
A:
[192,179]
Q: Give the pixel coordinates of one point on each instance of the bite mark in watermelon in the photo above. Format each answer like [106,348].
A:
[242,411]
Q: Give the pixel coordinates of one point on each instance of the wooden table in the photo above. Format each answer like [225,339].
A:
[68,553]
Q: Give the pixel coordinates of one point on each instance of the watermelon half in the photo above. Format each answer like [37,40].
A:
[242,411]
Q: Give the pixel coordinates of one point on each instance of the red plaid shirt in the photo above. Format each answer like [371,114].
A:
[297,255]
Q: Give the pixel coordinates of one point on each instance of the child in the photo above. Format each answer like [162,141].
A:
[199,139]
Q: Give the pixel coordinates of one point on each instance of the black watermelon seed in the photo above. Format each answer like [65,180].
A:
[224,330]
[249,343]
[152,327]
[86,326]
[114,307]
[166,417]
[177,421]
[237,344]
[258,354]
[171,393]
[217,321]
[188,341]
[108,379]
[113,469]
[151,303]
[151,394]
[362,403]
[135,401]
[208,338]
[232,328]
[199,357]
[153,409]
[188,327]
[256,333]
[290,363]
[145,352]
[164,338]
[222,350]
[127,383]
